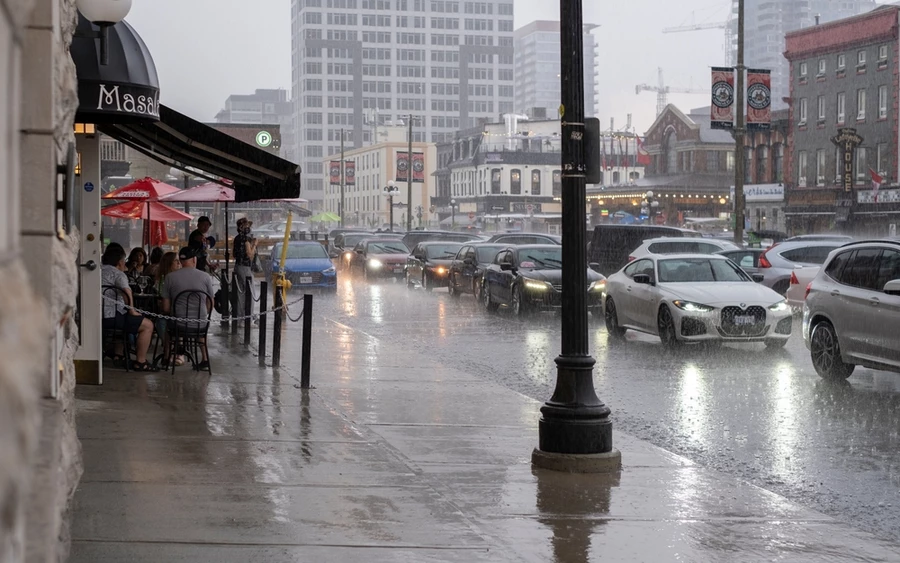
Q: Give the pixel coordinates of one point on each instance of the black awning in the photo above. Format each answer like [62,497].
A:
[186,144]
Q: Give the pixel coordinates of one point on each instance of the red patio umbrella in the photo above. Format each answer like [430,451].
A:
[143,190]
[159,212]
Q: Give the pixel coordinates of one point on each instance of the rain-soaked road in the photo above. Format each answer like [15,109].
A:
[761,415]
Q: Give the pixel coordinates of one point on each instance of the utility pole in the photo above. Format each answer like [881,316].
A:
[409,176]
[739,132]
[341,209]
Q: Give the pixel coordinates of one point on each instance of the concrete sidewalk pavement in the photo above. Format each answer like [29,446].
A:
[384,461]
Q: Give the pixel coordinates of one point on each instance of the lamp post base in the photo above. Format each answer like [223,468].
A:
[610,462]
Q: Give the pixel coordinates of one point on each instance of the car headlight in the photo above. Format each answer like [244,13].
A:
[537,285]
[439,270]
[780,306]
[599,285]
[347,255]
[328,271]
[692,307]
[375,263]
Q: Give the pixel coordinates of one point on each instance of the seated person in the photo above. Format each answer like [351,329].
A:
[119,316]
[189,278]
[135,264]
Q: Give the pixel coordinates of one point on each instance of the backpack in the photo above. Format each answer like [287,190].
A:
[219,302]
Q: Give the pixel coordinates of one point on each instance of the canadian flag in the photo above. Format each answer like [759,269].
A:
[876,183]
[643,157]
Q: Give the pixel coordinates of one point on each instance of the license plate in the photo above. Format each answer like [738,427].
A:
[305,280]
[398,269]
[742,320]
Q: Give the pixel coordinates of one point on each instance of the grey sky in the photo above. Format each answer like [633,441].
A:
[206,50]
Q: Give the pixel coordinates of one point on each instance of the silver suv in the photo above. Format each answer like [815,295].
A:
[852,311]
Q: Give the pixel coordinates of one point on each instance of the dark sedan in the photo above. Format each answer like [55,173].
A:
[529,278]
[379,257]
[525,238]
[467,268]
[429,263]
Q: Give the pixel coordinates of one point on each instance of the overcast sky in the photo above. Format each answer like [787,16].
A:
[206,50]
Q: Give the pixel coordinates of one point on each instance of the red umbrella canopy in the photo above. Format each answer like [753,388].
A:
[140,209]
[209,192]
[143,190]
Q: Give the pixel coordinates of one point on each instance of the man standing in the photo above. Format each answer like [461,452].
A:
[199,240]
[244,253]
[188,278]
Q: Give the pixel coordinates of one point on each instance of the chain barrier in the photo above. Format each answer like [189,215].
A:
[290,318]
[254,316]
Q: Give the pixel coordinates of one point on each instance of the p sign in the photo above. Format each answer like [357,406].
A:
[264,139]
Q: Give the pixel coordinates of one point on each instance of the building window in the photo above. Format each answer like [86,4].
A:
[495,181]
[821,68]
[860,58]
[882,52]
[557,183]
[671,154]
[762,158]
[802,169]
[838,166]
[535,182]
[882,163]
[841,61]
[820,167]
[804,69]
[712,161]
[729,161]
[748,168]
[820,108]
[861,104]
[841,107]
[778,163]
[515,181]
[862,163]
[803,110]
[882,102]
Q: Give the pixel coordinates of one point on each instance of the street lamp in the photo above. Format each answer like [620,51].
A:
[390,190]
[652,204]
[104,13]
[452,214]
[575,430]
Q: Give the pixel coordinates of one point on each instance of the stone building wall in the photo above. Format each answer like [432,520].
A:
[40,461]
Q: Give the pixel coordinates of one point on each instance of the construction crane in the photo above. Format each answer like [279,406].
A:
[663,91]
[727,25]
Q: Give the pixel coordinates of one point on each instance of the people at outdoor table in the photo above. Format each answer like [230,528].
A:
[244,252]
[203,243]
[134,266]
[167,265]
[118,315]
[188,278]
[155,256]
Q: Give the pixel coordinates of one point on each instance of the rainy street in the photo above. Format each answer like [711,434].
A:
[760,415]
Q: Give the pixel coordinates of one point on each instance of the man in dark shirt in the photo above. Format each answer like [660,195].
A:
[244,252]
[198,240]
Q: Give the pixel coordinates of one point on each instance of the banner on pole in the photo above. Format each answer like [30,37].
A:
[334,172]
[759,99]
[722,107]
[402,166]
[350,173]
[418,167]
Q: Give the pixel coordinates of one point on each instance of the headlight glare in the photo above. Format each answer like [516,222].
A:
[599,285]
[375,263]
[692,307]
[537,285]
[780,306]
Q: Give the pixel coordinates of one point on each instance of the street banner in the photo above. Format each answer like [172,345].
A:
[759,99]
[350,173]
[643,158]
[418,166]
[722,107]
[877,180]
[402,166]
[334,172]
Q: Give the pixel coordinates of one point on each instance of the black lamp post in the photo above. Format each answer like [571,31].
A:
[390,190]
[104,14]
[575,431]
[648,207]
[452,214]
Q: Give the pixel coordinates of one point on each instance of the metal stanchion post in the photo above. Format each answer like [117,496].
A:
[307,341]
[226,300]
[263,289]
[234,303]
[276,328]
[248,307]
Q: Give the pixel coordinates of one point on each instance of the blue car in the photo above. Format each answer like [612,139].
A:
[307,265]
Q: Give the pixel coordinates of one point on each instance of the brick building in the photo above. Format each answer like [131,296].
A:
[844,74]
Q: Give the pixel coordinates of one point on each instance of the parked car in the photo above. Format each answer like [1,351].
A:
[344,243]
[801,259]
[836,238]
[777,279]
[276,230]
[851,314]
[681,245]
[307,265]
[528,278]
[694,298]
[429,264]
[610,245]
[525,238]
[467,268]
[379,257]
[412,238]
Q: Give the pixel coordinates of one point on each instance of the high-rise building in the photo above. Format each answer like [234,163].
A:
[358,64]
[537,70]
[264,107]
[766,22]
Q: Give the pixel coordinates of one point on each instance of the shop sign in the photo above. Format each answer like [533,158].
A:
[847,140]
[884,196]
[762,192]
[526,208]
[118,99]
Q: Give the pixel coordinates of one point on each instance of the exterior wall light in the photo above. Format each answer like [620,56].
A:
[104,13]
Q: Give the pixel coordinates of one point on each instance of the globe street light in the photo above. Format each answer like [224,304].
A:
[104,13]
[452,214]
[390,190]
[649,205]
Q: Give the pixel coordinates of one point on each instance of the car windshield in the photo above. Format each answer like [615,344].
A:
[687,270]
[486,254]
[541,258]
[442,251]
[295,251]
[390,247]
[351,240]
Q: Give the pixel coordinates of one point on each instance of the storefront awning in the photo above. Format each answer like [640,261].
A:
[186,144]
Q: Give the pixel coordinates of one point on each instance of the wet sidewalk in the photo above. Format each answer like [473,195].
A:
[382,461]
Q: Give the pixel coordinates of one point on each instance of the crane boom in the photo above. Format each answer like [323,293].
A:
[695,27]
[663,91]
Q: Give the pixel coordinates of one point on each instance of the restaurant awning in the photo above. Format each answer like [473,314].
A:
[186,144]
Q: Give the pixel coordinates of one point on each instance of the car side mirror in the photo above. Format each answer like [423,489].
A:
[642,279]
[892,287]
[507,267]
[334,254]
[469,261]
[758,278]
[595,266]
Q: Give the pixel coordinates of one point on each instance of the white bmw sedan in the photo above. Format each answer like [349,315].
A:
[694,298]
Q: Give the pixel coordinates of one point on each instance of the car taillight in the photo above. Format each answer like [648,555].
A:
[808,288]
[794,280]
[763,261]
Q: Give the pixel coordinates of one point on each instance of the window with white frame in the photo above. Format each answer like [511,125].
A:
[804,69]
[882,159]
[882,102]
[801,169]
[882,52]
[860,58]
[841,61]
[820,108]
[841,107]
[860,104]
[820,167]
[821,67]
[862,163]
[803,110]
